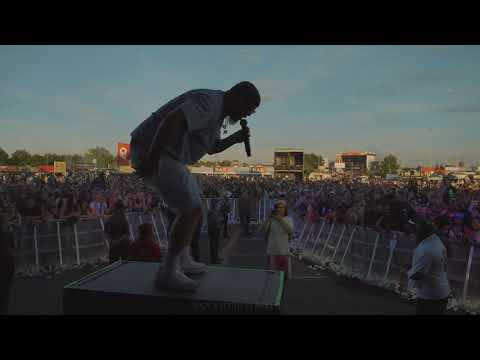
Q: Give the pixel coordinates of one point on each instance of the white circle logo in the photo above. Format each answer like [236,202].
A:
[123,153]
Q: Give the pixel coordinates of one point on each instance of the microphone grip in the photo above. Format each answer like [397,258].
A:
[243,124]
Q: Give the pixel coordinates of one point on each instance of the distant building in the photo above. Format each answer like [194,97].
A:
[288,163]
[233,171]
[374,167]
[449,169]
[410,172]
[203,170]
[355,162]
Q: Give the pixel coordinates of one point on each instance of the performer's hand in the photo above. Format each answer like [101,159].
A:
[241,135]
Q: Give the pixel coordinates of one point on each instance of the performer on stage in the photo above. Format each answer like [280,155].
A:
[181,133]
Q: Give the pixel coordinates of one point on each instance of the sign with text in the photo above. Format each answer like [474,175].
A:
[60,167]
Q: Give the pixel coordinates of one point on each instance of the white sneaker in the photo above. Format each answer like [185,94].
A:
[175,280]
[190,266]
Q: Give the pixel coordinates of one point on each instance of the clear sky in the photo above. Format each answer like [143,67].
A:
[421,103]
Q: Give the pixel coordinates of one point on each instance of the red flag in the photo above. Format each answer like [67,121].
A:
[123,154]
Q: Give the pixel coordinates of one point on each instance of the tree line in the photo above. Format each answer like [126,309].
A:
[103,157]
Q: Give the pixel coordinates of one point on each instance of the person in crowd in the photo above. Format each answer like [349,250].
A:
[118,231]
[245,205]
[7,262]
[428,275]
[214,230]
[225,210]
[194,249]
[145,248]
[471,229]
[98,207]
[278,233]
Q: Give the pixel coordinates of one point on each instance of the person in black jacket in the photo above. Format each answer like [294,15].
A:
[118,231]
[7,262]
[214,230]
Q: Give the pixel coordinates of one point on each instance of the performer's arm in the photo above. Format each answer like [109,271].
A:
[236,138]
[174,127]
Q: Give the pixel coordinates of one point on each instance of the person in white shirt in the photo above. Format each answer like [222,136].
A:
[428,275]
[98,206]
[278,232]
[178,134]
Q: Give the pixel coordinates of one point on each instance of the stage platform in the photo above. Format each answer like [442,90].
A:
[126,287]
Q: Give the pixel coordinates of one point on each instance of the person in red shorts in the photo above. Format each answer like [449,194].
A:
[279,231]
[145,248]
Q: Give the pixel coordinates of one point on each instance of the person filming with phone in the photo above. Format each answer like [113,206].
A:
[278,231]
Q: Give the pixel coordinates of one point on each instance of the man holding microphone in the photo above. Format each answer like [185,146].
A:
[180,133]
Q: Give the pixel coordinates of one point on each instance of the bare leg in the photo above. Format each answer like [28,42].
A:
[181,235]
[183,230]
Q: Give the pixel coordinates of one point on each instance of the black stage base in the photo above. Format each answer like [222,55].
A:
[126,287]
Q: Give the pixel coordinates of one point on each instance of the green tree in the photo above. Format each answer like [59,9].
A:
[37,160]
[103,157]
[311,162]
[3,157]
[20,158]
[389,165]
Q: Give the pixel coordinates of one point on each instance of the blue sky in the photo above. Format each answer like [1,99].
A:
[421,103]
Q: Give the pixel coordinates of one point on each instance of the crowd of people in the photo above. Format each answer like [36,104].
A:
[76,196]
[395,206]
[377,204]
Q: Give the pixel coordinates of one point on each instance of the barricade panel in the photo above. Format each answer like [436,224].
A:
[457,267]
[345,242]
[25,247]
[361,251]
[472,297]
[328,248]
[402,260]
[309,238]
[161,226]
[67,236]
[379,262]
[91,241]
[47,241]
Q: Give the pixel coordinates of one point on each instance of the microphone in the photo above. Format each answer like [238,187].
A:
[243,124]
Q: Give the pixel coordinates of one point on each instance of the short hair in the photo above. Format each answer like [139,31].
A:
[247,90]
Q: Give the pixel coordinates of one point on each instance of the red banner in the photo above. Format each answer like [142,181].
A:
[46,169]
[123,154]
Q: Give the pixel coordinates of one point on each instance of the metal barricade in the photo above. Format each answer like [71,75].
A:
[379,258]
[360,252]
[48,245]
[25,255]
[91,241]
[457,268]
[312,237]
[401,260]
[471,293]
[160,230]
